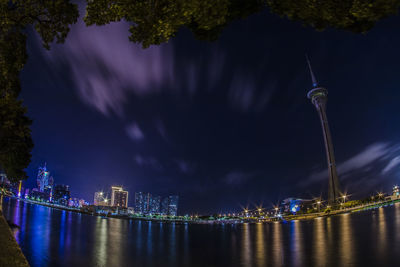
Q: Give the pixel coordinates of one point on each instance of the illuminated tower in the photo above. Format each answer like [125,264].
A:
[319,97]
[42,178]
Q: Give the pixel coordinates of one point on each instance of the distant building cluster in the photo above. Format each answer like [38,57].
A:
[145,203]
[46,191]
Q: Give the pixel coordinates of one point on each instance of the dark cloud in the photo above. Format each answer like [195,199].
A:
[237,178]
[184,166]
[149,162]
[134,132]
[106,67]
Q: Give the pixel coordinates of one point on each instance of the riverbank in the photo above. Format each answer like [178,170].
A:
[312,216]
[177,219]
[10,252]
[180,219]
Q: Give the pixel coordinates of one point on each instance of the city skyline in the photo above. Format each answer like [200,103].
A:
[199,133]
[214,125]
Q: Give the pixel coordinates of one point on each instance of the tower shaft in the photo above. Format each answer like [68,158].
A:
[334,187]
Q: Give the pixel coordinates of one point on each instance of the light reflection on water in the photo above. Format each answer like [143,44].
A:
[297,243]
[51,237]
[346,241]
[397,223]
[319,243]
[381,234]
[277,245]
[246,250]
[260,245]
[100,245]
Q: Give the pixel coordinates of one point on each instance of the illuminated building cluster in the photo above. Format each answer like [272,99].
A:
[146,204]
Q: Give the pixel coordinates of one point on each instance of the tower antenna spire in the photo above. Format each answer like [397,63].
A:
[314,81]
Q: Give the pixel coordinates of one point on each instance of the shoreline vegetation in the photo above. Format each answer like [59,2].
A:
[192,220]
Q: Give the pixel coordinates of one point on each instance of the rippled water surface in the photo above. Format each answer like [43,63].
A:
[50,237]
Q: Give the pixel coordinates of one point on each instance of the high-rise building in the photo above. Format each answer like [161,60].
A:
[119,197]
[173,205]
[61,194]
[164,206]
[42,178]
[139,200]
[146,203]
[319,96]
[169,206]
[155,205]
[100,199]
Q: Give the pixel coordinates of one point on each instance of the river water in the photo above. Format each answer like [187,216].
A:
[51,237]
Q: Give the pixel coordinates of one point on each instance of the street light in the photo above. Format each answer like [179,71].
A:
[276,210]
[344,198]
[246,211]
[319,203]
[380,195]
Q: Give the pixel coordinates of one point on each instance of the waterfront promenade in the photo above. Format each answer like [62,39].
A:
[181,219]
[341,211]
[10,252]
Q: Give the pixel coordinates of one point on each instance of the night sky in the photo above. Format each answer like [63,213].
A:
[224,124]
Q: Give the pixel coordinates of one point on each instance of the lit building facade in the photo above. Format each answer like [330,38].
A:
[155,205]
[164,206]
[119,197]
[173,205]
[139,200]
[145,203]
[169,206]
[43,178]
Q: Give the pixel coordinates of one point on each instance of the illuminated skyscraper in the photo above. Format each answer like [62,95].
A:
[155,205]
[42,178]
[169,206]
[119,197]
[146,203]
[164,206]
[319,96]
[139,202]
[173,205]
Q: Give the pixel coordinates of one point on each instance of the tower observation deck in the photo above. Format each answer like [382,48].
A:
[319,96]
